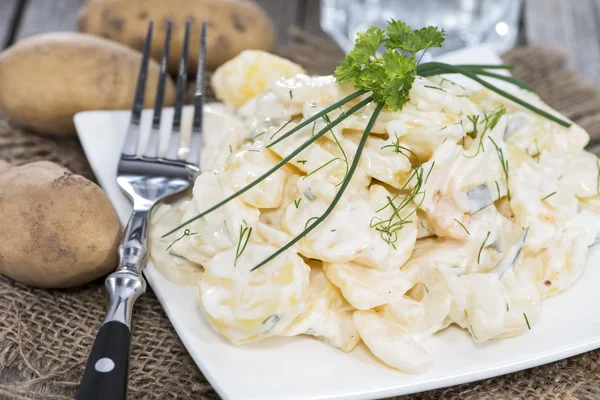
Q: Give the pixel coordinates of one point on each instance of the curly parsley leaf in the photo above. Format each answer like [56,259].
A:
[429,37]
[371,78]
[400,75]
[360,56]
[367,44]
[401,36]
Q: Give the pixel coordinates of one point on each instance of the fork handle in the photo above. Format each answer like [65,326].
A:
[106,372]
[107,369]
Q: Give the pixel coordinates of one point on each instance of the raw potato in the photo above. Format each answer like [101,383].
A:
[233,26]
[58,229]
[46,79]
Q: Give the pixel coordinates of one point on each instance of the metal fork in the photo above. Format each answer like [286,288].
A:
[146,179]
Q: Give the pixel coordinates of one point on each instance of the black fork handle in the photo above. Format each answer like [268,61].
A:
[107,368]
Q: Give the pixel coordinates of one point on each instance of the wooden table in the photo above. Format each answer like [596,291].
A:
[573,25]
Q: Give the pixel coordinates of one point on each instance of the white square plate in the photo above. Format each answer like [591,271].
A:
[303,368]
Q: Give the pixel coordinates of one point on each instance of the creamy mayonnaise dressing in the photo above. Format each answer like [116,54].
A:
[401,256]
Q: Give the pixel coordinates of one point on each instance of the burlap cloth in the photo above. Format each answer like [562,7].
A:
[45,335]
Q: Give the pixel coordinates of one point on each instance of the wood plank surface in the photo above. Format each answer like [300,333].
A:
[8,15]
[311,17]
[284,14]
[573,26]
[42,16]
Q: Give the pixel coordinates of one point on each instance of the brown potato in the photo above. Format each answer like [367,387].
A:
[233,26]
[47,79]
[58,229]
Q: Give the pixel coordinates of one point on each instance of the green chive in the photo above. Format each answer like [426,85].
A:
[550,195]
[466,72]
[245,233]
[464,227]
[318,115]
[339,193]
[481,248]
[280,164]
[527,321]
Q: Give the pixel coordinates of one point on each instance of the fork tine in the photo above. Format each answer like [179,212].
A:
[173,150]
[153,141]
[133,131]
[196,140]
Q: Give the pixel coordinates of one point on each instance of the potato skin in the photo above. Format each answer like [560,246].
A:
[233,26]
[58,229]
[46,79]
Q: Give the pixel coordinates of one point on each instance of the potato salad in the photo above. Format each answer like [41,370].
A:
[464,209]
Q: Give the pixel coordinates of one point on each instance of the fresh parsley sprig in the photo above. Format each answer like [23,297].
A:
[390,76]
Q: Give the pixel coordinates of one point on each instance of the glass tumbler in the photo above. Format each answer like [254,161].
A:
[466,22]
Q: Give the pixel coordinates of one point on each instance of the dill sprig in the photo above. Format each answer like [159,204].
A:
[244,237]
[474,120]
[338,195]
[323,166]
[344,159]
[490,120]
[388,228]
[186,232]
[504,163]
[397,148]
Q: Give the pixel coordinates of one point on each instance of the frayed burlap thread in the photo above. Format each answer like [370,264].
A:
[46,335]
